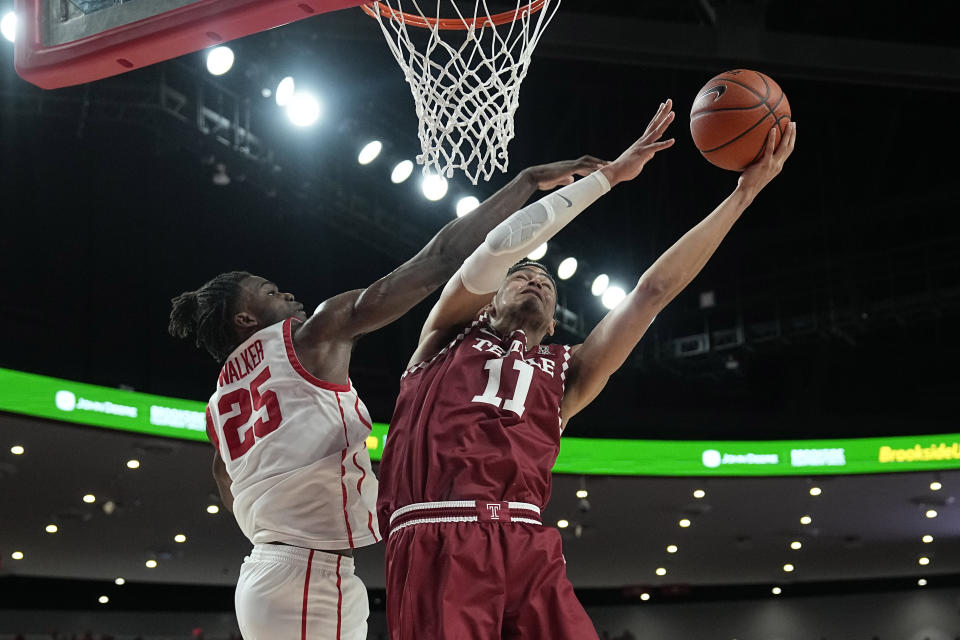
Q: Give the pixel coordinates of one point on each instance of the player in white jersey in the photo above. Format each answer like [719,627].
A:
[290,430]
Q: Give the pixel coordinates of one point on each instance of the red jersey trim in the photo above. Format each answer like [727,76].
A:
[306,594]
[299,368]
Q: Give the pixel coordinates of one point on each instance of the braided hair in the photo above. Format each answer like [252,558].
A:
[208,313]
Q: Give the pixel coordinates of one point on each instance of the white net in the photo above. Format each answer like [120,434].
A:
[465,78]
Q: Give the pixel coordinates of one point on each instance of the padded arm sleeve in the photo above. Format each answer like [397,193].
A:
[527,229]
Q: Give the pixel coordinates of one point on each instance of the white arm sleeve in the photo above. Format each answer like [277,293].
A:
[527,229]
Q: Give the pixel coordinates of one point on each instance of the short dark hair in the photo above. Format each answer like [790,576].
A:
[523,264]
[208,314]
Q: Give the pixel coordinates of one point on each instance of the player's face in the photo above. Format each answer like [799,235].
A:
[265,302]
[529,291]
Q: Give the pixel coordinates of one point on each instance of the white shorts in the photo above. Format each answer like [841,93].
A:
[289,593]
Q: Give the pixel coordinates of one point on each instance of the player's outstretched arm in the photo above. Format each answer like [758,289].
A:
[473,285]
[354,313]
[610,343]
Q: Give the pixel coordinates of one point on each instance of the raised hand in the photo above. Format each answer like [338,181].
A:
[631,162]
[558,174]
[760,173]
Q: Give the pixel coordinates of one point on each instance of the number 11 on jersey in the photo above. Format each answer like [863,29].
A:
[490,395]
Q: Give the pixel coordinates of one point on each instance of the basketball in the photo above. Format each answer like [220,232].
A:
[732,116]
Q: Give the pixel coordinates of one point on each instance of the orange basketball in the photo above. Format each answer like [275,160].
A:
[732,116]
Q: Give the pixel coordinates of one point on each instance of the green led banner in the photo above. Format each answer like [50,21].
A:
[88,404]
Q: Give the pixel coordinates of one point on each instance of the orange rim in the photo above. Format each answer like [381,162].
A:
[378,9]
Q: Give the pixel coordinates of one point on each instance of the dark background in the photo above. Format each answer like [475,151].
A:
[842,279]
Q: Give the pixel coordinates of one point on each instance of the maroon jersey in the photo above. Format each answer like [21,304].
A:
[479,421]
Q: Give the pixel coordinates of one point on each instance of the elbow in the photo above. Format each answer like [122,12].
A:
[654,289]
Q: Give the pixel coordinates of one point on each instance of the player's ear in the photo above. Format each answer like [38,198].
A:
[244,320]
[552,327]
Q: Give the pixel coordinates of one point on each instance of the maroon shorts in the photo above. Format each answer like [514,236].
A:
[480,581]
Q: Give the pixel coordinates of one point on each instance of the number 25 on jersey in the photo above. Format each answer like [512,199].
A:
[245,402]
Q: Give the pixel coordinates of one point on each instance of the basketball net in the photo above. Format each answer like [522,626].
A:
[465,74]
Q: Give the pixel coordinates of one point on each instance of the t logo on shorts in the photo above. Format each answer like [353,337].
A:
[493,512]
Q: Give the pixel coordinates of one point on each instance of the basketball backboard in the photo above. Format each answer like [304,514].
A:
[66,42]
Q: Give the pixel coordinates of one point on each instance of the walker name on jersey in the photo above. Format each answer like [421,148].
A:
[240,366]
[544,364]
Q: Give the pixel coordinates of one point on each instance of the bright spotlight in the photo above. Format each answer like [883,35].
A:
[612,297]
[370,152]
[582,493]
[600,284]
[89,498]
[661,571]
[932,513]
[777,591]
[285,91]
[219,60]
[672,548]
[17,555]
[699,493]
[927,539]
[303,109]
[567,268]
[538,253]
[151,564]
[796,544]
[180,538]
[924,561]
[213,509]
[133,464]
[434,187]
[935,486]
[815,491]
[17,450]
[8,26]
[52,528]
[563,524]
[401,172]
[644,596]
[103,600]
[805,519]
[684,523]
[466,205]
[788,568]
[119,582]
[922,582]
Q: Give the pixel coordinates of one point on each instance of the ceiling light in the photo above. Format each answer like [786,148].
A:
[927,538]
[644,596]
[17,555]
[466,205]
[17,450]
[179,538]
[133,464]
[923,560]
[931,513]
[401,172]
[600,284]
[788,568]
[285,91]
[8,26]
[777,591]
[815,491]
[699,493]
[212,509]
[434,187]
[935,486]
[119,582]
[684,523]
[52,528]
[567,268]
[266,93]
[89,498]
[563,524]
[370,152]
[151,564]
[612,297]
[103,599]
[582,493]
[922,582]
[672,548]
[806,520]
[796,544]
[538,253]
[303,109]
[219,60]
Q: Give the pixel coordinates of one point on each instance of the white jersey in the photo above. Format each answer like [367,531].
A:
[294,447]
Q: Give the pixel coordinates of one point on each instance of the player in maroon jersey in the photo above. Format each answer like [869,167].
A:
[477,426]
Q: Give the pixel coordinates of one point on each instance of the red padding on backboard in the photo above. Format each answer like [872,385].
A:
[151,40]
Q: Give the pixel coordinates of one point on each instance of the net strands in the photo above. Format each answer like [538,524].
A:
[465,75]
